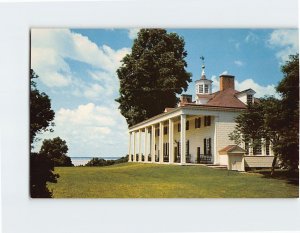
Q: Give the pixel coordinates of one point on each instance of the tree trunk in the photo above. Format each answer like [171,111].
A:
[273,165]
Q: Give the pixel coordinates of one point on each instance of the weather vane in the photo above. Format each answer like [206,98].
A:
[202,58]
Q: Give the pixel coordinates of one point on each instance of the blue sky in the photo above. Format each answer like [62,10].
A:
[77,70]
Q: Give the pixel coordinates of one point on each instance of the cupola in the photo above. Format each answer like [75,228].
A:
[203,85]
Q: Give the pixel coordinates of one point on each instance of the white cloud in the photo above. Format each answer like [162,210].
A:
[286,41]
[239,63]
[50,48]
[224,72]
[132,33]
[89,128]
[246,84]
[251,38]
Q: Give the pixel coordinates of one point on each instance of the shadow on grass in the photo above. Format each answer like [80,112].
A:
[291,177]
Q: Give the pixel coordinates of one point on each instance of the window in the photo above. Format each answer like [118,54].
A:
[179,127]
[157,132]
[197,122]
[187,125]
[247,147]
[166,149]
[200,88]
[187,147]
[249,99]
[257,147]
[206,88]
[165,130]
[207,121]
[267,147]
[207,146]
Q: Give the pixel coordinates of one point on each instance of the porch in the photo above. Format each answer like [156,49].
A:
[167,140]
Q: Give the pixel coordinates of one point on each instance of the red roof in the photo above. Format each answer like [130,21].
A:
[226,98]
[230,148]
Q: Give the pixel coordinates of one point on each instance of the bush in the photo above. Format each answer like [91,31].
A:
[102,162]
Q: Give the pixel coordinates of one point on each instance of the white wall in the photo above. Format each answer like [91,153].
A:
[225,125]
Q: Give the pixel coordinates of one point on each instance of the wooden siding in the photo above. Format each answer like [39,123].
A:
[258,161]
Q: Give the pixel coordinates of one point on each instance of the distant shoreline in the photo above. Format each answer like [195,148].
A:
[81,161]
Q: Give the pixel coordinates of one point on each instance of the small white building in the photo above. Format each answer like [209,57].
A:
[197,131]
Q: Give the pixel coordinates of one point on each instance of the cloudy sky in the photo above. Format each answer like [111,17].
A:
[77,69]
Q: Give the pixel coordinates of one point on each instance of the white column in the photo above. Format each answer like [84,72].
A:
[215,152]
[171,139]
[140,145]
[146,145]
[183,138]
[263,147]
[161,142]
[129,148]
[153,143]
[134,149]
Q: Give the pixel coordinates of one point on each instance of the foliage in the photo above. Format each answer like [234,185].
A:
[152,75]
[56,149]
[139,180]
[41,114]
[41,172]
[275,120]
[41,117]
[289,130]
[102,162]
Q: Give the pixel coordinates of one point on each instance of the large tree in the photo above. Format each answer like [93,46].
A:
[289,130]
[56,150]
[276,120]
[261,120]
[41,117]
[41,114]
[152,75]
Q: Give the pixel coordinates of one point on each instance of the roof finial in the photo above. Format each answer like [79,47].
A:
[203,68]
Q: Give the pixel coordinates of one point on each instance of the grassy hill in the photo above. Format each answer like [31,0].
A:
[135,180]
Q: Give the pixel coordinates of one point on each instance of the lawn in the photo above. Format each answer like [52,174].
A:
[135,180]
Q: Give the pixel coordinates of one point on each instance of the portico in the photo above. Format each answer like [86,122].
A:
[186,134]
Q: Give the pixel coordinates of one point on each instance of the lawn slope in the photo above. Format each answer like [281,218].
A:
[133,180]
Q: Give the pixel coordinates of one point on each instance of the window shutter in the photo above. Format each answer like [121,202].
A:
[196,125]
[205,146]
[209,146]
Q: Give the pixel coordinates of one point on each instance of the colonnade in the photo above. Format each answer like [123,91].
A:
[135,151]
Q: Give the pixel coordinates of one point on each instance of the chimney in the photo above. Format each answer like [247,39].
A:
[185,99]
[226,81]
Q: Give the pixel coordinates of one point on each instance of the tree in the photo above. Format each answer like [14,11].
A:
[41,114]
[260,121]
[289,131]
[275,120]
[56,150]
[41,172]
[41,117]
[152,74]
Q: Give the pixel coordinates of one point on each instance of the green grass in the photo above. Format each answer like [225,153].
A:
[133,180]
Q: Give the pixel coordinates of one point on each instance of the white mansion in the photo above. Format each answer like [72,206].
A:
[197,131]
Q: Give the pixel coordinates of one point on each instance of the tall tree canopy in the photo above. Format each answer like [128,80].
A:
[41,114]
[56,150]
[41,117]
[289,129]
[152,74]
[274,119]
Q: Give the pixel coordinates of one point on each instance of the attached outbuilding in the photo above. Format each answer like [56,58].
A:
[232,156]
